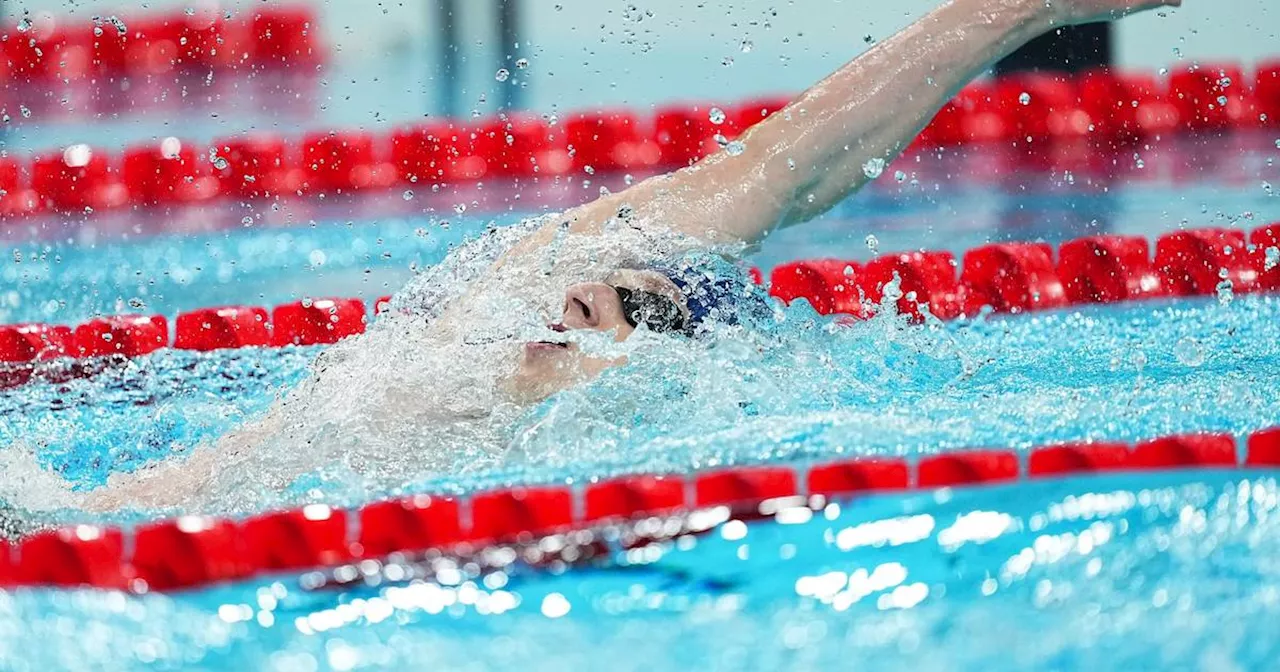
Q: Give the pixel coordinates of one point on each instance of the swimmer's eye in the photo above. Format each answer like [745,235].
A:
[658,313]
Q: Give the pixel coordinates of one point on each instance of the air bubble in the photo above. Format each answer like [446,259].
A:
[873,167]
[1024,98]
[502,74]
[408,194]
[24,25]
[899,176]
[716,115]
[735,147]
[747,46]
[460,208]
[522,63]
[247,221]
[873,243]
[1271,258]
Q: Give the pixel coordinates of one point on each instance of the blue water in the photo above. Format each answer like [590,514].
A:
[1139,571]
[1168,571]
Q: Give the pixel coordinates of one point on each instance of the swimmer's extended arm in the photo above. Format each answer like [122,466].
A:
[801,161]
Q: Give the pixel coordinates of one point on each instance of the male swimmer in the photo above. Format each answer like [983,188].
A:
[468,346]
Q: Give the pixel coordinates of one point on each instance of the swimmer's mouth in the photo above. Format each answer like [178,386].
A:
[549,344]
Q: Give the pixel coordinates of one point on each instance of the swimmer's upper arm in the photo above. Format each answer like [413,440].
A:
[802,160]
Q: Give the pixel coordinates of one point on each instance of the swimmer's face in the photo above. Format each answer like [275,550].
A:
[624,300]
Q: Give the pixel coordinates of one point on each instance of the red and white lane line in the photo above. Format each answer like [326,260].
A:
[1008,277]
[194,551]
[1110,108]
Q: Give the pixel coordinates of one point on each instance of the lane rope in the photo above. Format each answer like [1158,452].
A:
[1006,278]
[193,551]
[1025,111]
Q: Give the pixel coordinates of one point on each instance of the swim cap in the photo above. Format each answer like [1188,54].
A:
[714,289]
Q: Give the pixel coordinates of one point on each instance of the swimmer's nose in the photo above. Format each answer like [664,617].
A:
[587,306]
[558,327]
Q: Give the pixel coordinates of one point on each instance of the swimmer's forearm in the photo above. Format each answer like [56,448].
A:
[801,161]
[870,109]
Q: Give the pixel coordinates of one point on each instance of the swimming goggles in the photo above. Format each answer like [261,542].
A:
[655,311]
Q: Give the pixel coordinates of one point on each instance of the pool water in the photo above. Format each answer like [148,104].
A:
[1173,570]
[1154,570]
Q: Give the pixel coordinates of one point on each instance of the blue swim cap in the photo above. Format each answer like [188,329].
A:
[714,290]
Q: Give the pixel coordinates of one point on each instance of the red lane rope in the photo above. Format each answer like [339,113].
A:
[196,550]
[1112,108]
[1006,277]
[44,48]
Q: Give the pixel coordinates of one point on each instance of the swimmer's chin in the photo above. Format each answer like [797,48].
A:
[546,368]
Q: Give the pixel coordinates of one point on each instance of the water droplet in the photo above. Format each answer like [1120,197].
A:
[873,243]
[97,31]
[24,25]
[1277,143]
[716,115]
[1188,352]
[848,271]
[1177,53]
[1222,100]
[899,176]
[137,304]
[590,170]
[247,221]
[1163,71]
[727,62]
[1224,82]
[502,74]
[460,208]
[408,194]
[791,163]
[522,63]
[108,337]
[1225,292]
[735,147]
[120,27]
[873,167]
[1024,98]
[1271,258]
[747,46]
[26,112]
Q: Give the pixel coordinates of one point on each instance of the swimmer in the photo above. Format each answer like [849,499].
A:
[475,327]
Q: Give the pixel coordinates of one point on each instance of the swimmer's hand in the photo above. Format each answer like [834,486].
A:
[1090,11]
